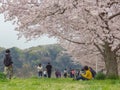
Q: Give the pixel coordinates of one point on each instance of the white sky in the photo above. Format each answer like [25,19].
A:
[8,37]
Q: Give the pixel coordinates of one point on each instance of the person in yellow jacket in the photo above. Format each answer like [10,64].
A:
[86,76]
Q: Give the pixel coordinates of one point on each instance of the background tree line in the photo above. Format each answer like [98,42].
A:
[25,61]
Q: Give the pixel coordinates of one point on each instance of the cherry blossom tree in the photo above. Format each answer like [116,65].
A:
[88,29]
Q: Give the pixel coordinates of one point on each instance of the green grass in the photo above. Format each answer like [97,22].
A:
[58,84]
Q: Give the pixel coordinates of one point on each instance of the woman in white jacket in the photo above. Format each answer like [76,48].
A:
[40,70]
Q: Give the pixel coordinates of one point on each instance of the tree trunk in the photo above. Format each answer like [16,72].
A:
[111,66]
[110,61]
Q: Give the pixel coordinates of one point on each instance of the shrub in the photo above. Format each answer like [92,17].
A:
[112,77]
[100,76]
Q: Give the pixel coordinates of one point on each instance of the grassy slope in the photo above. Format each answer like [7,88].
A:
[58,84]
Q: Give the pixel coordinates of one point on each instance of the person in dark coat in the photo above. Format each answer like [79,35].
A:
[8,69]
[49,70]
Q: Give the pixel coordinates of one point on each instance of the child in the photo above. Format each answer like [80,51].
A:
[45,73]
[65,73]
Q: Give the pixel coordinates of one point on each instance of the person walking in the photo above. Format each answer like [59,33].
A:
[49,70]
[8,69]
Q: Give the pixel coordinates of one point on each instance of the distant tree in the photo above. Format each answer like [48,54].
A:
[82,26]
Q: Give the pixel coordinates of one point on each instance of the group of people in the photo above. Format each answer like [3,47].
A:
[8,67]
[44,72]
[87,72]
[66,73]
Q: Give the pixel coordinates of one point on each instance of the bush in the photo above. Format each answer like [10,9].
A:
[112,77]
[100,76]
[2,76]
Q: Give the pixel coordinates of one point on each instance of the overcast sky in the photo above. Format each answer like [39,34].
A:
[8,37]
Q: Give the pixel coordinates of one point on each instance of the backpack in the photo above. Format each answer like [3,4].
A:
[93,72]
[7,61]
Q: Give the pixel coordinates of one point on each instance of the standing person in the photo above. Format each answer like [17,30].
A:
[57,73]
[40,70]
[73,73]
[8,69]
[49,70]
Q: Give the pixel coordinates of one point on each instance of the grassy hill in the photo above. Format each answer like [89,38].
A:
[25,61]
[58,84]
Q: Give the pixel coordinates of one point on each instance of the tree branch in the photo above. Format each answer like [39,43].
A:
[116,37]
[75,3]
[70,40]
[117,48]
[99,49]
[115,15]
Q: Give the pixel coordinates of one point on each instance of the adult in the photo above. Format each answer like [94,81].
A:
[49,70]
[87,75]
[57,73]
[8,69]
[40,70]
[73,73]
